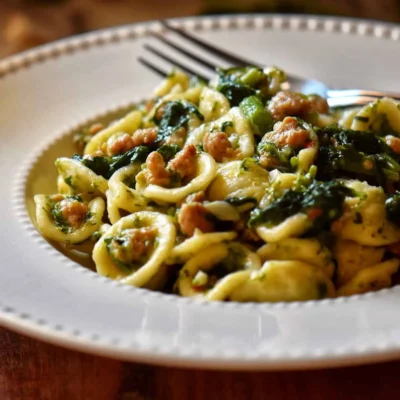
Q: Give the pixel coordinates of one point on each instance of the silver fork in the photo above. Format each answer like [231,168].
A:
[335,97]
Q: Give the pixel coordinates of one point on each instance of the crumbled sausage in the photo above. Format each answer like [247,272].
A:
[194,216]
[120,145]
[393,142]
[137,243]
[246,234]
[197,197]
[184,163]
[141,240]
[288,133]
[156,173]
[181,166]
[217,144]
[73,211]
[125,142]
[160,112]
[144,136]
[285,104]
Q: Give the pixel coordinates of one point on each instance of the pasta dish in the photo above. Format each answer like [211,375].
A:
[235,190]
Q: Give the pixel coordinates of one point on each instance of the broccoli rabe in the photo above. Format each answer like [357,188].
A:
[356,154]
[175,115]
[322,202]
[106,166]
[240,82]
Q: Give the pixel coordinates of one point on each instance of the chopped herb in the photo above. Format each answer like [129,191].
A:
[68,181]
[247,163]
[125,267]
[225,125]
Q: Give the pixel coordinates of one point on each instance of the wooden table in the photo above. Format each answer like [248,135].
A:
[34,370]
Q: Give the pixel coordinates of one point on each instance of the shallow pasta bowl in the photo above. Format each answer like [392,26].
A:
[46,93]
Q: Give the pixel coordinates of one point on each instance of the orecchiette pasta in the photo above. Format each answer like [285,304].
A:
[68,219]
[234,190]
[134,249]
[310,251]
[216,277]
[284,281]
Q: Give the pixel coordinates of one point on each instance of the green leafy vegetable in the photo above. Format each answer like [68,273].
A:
[175,115]
[392,207]
[225,125]
[235,92]
[358,155]
[321,201]
[106,166]
[168,151]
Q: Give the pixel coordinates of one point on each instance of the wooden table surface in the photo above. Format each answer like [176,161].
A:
[34,370]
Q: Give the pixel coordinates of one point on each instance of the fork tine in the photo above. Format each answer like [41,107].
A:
[237,61]
[174,62]
[185,52]
[152,67]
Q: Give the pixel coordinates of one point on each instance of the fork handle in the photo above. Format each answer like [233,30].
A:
[362,93]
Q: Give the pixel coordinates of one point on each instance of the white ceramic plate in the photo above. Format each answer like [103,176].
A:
[46,91]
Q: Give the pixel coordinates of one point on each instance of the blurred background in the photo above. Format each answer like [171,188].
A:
[28,23]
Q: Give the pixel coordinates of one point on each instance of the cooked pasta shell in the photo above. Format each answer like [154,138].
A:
[293,226]
[370,279]
[206,171]
[239,179]
[88,245]
[197,243]
[364,220]
[147,273]
[241,135]
[63,187]
[284,281]
[121,196]
[80,178]
[127,124]
[352,257]
[175,78]
[59,229]
[373,115]
[213,104]
[310,251]
[237,261]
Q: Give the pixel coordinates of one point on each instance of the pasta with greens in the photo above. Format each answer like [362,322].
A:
[235,190]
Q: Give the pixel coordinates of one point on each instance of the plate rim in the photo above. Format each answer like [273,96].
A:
[22,323]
